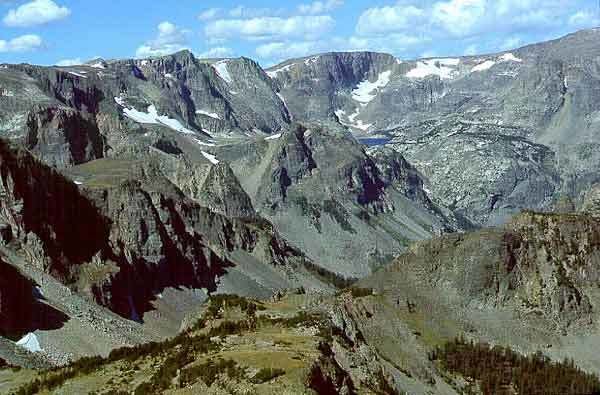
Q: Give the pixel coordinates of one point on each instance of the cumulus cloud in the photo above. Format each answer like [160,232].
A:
[320,7]
[170,39]
[389,19]
[69,62]
[217,52]
[28,42]
[210,13]
[584,18]
[511,43]
[36,12]
[448,23]
[463,18]
[262,28]
[250,12]
[458,17]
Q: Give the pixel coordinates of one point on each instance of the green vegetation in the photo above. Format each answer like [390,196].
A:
[330,277]
[497,369]
[177,353]
[267,374]
[163,378]
[208,372]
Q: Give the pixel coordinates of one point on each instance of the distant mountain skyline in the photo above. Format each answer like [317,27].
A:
[69,32]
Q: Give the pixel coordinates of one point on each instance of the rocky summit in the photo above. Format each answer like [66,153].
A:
[342,223]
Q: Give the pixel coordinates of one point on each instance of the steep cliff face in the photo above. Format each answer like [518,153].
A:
[542,264]
[62,137]
[558,259]
[123,243]
[315,87]
[16,300]
[222,193]
[47,212]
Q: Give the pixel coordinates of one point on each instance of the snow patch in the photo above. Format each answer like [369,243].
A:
[366,91]
[488,64]
[507,57]
[97,65]
[273,137]
[211,158]
[353,122]
[80,74]
[152,117]
[200,142]
[273,73]
[208,114]
[311,60]
[440,67]
[30,342]
[221,69]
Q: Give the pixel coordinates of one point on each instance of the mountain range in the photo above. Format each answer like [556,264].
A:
[398,204]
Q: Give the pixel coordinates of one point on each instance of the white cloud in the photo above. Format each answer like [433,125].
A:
[249,12]
[170,39]
[511,43]
[69,62]
[584,18]
[320,7]
[28,42]
[459,17]
[389,19]
[36,12]
[448,23]
[217,52]
[261,28]
[282,50]
[277,51]
[209,14]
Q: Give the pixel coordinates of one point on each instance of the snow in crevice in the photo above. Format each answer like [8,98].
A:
[366,91]
[221,69]
[444,68]
[97,65]
[280,96]
[508,57]
[488,64]
[151,117]
[273,73]
[273,137]
[30,342]
[208,114]
[211,158]
[204,143]
[79,74]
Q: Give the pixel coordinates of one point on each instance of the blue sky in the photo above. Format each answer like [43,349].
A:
[71,31]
